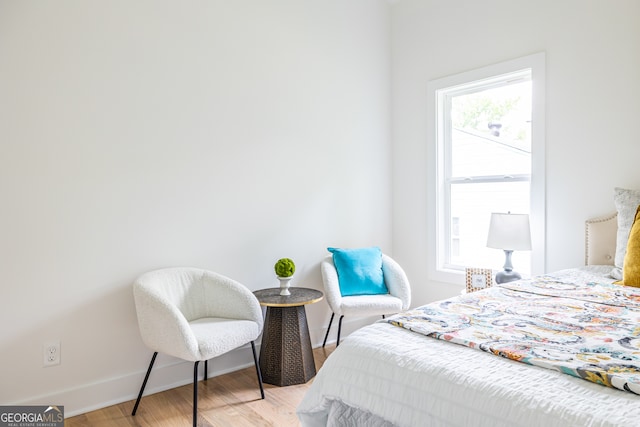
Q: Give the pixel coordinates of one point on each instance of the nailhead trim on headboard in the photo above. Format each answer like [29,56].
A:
[600,240]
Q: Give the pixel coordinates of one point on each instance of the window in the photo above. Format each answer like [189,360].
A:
[487,155]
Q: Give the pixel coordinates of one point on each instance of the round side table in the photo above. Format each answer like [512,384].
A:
[286,356]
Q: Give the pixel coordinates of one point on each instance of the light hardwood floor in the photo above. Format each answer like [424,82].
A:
[231,400]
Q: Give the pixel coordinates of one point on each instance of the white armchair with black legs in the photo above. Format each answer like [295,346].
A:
[195,315]
[363,282]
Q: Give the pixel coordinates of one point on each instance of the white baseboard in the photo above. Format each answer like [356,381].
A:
[167,373]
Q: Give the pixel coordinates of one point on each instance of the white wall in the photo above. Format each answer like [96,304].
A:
[592,107]
[227,134]
[147,134]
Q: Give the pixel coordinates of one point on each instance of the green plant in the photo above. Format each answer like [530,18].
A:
[285,267]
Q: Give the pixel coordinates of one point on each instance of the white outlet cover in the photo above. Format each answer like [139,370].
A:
[51,353]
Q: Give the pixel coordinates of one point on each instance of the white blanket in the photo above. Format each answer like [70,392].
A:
[385,374]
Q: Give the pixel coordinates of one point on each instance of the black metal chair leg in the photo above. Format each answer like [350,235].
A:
[328,329]
[206,368]
[195,394]
[339,329]
[144,383]
[255,360]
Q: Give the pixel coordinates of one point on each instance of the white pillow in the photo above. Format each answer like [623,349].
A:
[627,202]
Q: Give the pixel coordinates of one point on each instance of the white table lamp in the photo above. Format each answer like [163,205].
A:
[509,232]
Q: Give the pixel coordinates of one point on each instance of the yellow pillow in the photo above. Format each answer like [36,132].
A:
[631,265]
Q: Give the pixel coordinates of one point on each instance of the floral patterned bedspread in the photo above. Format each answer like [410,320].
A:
[586,329]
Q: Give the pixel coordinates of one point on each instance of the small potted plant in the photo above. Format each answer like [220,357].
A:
[284,268]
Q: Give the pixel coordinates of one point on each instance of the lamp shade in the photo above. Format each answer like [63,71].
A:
[510,232]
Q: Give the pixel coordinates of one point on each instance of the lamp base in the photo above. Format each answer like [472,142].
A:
[507,276]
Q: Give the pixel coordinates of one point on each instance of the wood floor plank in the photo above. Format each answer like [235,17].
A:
[230,400]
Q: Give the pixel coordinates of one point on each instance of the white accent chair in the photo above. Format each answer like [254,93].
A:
[398,299]
[195,315]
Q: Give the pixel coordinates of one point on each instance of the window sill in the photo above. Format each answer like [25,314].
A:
[449,276]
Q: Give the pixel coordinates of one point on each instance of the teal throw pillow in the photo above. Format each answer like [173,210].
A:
[359,271]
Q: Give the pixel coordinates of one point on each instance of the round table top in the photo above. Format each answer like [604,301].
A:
[299,296]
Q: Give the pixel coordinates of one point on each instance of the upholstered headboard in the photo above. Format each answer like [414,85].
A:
[600,240]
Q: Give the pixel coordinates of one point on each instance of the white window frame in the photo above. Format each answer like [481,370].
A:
[439,211]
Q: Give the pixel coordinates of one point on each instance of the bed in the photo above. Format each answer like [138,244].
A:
[392,374]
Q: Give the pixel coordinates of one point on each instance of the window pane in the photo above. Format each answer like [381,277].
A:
[471,208]
[487,142]
[491,131]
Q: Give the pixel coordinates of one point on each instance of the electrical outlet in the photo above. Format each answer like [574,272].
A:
[51,353]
